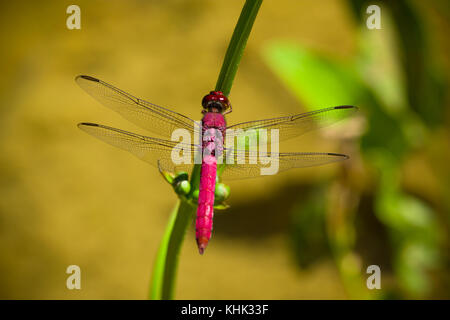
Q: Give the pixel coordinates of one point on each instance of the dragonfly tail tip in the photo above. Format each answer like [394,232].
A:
[202,242]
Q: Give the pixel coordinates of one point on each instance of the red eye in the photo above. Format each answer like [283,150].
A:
[216,96]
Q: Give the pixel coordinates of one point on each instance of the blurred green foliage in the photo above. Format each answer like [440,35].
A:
[308,230]
[394,80]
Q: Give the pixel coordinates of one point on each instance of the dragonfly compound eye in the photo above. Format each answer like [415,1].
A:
[216,98]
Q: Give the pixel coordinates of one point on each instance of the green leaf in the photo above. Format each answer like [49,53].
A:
[315,80]
[380,66]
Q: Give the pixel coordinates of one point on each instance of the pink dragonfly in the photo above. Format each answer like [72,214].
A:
[159,152]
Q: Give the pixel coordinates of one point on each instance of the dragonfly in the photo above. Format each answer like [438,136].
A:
[211,145]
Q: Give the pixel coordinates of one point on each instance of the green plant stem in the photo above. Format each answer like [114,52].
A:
[164,273]
[237,45]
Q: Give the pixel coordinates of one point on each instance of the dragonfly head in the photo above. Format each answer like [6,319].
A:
[215,101]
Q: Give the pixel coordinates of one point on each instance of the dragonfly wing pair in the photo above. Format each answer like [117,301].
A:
[163,122]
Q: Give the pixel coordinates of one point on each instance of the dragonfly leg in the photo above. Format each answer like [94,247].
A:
[229,110]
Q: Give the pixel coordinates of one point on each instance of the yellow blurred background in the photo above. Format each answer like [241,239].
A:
[66,198]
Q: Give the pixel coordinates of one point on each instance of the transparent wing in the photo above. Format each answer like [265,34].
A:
[149,149]
[158,151]
[147,115]
[296,125]
[279,162]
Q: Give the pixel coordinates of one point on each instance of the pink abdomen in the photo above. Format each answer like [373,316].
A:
[212,142]
[205,209]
